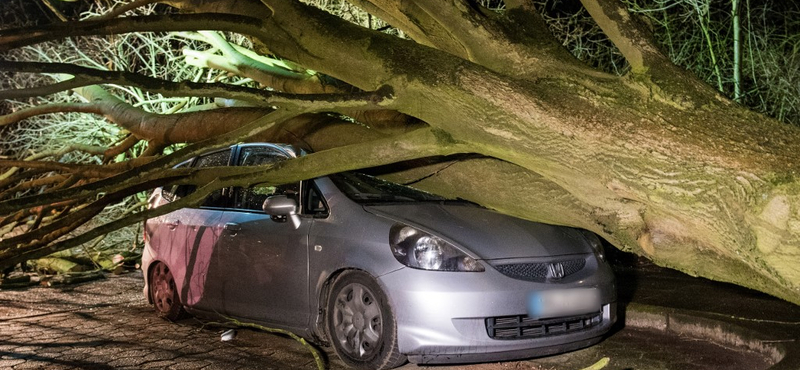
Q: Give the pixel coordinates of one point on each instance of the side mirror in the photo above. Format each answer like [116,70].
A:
[281,207]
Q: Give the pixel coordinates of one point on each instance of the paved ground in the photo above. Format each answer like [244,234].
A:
[107,325]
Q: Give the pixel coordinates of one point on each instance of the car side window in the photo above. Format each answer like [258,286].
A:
[253,198]
[314,203]
[219,198]
[259,156]
[174,192]
[216,159]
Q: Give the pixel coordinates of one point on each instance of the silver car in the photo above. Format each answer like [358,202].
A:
[381,272]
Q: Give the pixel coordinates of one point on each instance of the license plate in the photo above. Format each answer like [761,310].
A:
[563,302]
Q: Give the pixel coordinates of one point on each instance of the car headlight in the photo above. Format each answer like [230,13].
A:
[418,249]
[596,244]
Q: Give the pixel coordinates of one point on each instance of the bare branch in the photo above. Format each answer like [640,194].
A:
[18,37]
[52,231]
[34,250]
[135,176]
[19,176]
[50,153]
[43,181]
[52,166]
[82,170]
[632,39]
[55,10]
[416,144]
[48,109]
[21,215]
[120,148]
[89,76]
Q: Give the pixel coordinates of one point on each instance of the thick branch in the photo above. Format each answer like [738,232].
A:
[169,128]
[310,84]
[418,24]
[516,43]
[235,57]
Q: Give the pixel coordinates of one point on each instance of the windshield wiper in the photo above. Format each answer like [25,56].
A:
[386,197]
[460,201]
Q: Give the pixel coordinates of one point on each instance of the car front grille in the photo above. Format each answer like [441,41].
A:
[524,327]
[542,271]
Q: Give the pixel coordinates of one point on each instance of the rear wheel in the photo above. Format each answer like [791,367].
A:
[361,324]
[164,293]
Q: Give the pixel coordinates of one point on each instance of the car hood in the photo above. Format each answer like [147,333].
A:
[487,234]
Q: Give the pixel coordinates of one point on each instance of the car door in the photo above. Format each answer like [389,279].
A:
[202,229]
[266,257]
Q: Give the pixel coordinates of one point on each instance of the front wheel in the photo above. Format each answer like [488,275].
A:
[164,293]
[361,324]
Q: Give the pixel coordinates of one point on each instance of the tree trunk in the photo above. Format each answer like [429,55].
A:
[690,188]
[656,162]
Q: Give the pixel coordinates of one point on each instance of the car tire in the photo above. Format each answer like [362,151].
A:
[361,324]
[164,293]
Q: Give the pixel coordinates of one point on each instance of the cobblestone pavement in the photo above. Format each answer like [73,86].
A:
[107,324]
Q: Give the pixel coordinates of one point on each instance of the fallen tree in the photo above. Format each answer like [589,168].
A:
[480,105]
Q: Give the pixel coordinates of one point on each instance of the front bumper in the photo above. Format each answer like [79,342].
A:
[442,316]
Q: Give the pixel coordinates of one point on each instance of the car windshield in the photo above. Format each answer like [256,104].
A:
[364,188]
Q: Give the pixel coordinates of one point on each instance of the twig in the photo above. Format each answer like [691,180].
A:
[763,321]
[122,9]
[314,351]
[55,11]
[599,364]
[120,148]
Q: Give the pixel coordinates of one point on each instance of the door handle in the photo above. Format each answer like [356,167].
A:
[232,227]
[172,224]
